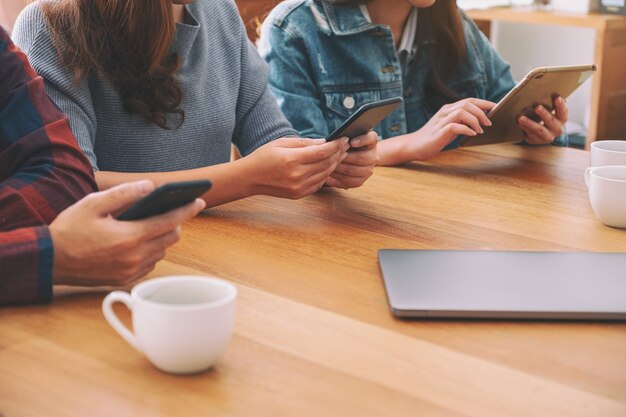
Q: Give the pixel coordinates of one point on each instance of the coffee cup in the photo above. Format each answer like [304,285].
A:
[181,323]
[607,193]
[607,152]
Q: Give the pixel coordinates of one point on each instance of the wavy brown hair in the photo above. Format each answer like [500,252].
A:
[127,42]
[443,21]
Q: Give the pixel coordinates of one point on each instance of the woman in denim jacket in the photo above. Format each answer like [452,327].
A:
[328,57]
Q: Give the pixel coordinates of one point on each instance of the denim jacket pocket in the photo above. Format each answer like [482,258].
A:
[341,105]
[472,86]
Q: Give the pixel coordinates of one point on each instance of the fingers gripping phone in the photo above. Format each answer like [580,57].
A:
[165,198]
[365,118]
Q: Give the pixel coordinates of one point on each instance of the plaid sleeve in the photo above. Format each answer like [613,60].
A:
[26,262]
[42,172]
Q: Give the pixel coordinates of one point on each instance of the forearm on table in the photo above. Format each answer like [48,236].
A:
[231,181]
[394,151]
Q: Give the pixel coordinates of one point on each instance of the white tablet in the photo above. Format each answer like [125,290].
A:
[538,87]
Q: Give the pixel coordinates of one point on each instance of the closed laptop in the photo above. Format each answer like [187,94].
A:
[495,284]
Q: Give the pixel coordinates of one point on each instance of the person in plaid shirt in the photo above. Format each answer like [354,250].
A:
[42,173]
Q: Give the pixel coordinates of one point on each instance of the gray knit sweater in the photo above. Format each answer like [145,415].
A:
[225,97]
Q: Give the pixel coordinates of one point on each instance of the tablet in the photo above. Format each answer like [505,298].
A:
[505,285]
[538,87]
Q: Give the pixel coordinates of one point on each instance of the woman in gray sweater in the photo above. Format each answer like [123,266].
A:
[159,90]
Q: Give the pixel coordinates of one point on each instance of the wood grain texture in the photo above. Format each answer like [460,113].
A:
[532,16]
[314,336]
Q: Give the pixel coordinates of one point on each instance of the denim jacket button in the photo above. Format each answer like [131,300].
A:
[395,128]
[387,70]
[349,103]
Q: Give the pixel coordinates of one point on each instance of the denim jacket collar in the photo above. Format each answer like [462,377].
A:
[345,20]
[349,20]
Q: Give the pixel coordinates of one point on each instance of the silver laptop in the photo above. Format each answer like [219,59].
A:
[493,284]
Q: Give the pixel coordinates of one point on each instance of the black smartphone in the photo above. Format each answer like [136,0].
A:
[165,198]
[365,118]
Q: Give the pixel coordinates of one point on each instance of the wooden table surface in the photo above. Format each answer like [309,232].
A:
[314,336]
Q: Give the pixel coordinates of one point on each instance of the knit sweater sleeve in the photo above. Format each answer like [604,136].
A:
[32,35]
[258,118]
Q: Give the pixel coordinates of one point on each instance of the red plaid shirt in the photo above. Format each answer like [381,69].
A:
[42,172]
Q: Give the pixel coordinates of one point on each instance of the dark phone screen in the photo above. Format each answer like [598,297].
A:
[365,118]
[166,198]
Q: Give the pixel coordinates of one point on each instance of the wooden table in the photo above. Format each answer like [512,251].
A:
[608,97]
[314,336]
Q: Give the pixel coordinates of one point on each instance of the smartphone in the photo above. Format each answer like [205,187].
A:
[539,86]
[365,118]
[165,198]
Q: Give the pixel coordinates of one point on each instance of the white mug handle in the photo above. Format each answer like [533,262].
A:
[587,175]
[114,321]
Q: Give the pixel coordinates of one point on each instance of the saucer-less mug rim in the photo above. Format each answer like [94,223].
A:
[602,145]
[137,293]
[596,172]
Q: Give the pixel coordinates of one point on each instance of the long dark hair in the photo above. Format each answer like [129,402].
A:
[443,21]
[126,41]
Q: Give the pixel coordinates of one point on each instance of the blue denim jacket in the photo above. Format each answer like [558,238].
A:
[327,60]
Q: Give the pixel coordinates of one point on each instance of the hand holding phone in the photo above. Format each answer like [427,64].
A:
[165,198]
[84,255]
[365,118]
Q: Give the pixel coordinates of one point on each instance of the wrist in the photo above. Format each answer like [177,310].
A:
[398,150]
[421,147]
[412,147]
[247,176]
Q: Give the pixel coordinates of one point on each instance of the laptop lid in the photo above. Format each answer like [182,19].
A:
[495,284]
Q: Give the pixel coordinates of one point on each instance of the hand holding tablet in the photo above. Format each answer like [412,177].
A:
[532,100]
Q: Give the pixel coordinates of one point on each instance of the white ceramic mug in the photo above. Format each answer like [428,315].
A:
[181,323]
[607,193]
[607,152]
